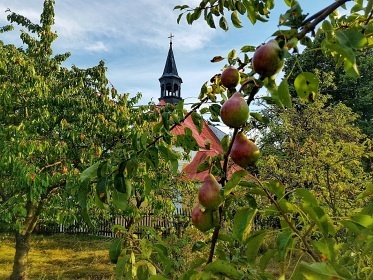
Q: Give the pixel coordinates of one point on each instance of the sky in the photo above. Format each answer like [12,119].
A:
[132,38]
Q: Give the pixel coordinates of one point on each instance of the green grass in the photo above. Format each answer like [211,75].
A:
[61,257]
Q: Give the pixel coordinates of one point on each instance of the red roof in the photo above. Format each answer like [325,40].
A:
[190,170]
[206,134]
[201,138]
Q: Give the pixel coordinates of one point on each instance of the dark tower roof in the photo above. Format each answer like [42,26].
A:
[170,69]
[170,81]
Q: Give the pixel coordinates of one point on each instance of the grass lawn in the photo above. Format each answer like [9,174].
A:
[61,257]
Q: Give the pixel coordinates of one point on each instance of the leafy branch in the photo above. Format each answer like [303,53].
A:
[309,24]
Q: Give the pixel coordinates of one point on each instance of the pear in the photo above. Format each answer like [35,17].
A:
[244,151]
[209,193]
[268,59]
[202,220]
[235,111]
[230,77]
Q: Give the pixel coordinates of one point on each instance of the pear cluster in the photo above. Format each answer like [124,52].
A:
[209,198]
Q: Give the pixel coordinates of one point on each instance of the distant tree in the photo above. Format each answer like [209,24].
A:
[319,148]
[54,123]
[70,142]
[334,81]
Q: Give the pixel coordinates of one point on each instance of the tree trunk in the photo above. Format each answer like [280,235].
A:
[20,257]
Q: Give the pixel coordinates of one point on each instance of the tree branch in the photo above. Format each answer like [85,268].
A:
[307,246]
[309,24]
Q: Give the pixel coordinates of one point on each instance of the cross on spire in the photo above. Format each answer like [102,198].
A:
[170,37]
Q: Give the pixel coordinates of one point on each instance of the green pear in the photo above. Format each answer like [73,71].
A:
[230,77]
[268,59]
[209,193]
[202,220]
[235,111]
[244,151]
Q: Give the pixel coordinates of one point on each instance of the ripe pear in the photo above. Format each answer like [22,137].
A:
[230,77]
[203,220]
[244,151]
[235,111]
[268,59]
[209,193]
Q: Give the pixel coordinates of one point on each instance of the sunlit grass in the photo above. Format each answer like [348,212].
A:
[61,257]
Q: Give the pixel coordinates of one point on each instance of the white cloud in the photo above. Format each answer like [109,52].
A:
[99,26]
[97,47]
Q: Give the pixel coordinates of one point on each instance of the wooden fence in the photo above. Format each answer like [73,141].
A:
[163,225]
[105,227]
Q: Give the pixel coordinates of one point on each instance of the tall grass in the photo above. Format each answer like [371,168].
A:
[61,257]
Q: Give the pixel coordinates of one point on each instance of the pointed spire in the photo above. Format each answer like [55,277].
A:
[170,66]
[170,80]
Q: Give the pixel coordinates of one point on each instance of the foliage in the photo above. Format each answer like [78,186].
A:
[317,147]
[355,93]
[113,151]
[58,122]
[311,174]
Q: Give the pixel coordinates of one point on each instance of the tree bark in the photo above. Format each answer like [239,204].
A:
[20,257]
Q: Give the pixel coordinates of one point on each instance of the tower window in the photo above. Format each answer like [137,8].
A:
[176,90]
[169,89]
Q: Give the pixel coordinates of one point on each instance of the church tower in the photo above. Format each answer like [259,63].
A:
[170,81]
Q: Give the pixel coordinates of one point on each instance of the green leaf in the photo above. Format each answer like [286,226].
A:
[101,189]
[119,183]
[152,155]
[264,260]
[210,20]
[368,8]
[166,120]
[284,241]
[240,7]
[351,38]
[233,181]
[187,142]
[251,12]
[347,54]
[215,112]
[197,262]
[235,19]
[284,93]
[306,85]
[260,118]
[198,121]
[224,268]
[90,172]
[205,165]
[318,271]
[120,200]
[363,220]
[216,58]
[223,24]
[115,249]
[225,142]
[102,169]
[352,226]
[242,223]
[307,196]
[247,48]
[276,188]
[321,219]
[232,56]
[253,244]
[198,246]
